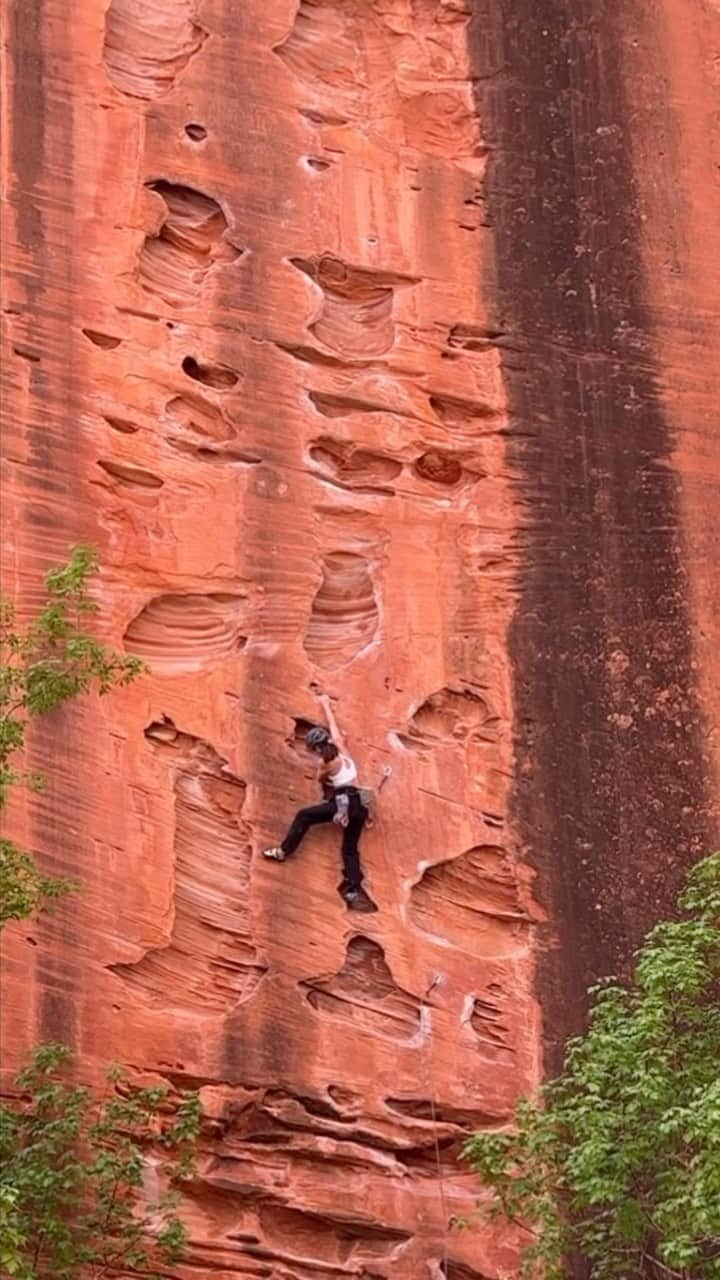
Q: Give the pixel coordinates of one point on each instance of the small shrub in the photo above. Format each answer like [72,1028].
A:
[73,1172]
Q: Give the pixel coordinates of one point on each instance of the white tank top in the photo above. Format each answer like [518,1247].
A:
[346,774]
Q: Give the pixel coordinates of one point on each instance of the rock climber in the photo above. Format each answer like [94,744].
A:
[343,805]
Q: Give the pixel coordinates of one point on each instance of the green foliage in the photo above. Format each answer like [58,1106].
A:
[73,1199]
[620,1160]
[42,665]
[22,886]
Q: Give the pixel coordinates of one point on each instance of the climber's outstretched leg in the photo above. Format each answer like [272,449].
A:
[352,873]
[302,822]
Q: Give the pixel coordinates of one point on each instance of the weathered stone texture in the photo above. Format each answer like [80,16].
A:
[355,335]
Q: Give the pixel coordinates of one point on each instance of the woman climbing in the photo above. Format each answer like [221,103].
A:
[342,804]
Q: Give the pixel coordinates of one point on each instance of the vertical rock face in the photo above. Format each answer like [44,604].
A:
[614,779]
[355,335]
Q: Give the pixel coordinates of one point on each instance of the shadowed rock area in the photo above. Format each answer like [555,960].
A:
[611,789]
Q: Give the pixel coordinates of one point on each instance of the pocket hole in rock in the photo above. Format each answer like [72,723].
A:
[196,132]
[127,474]
[175,260]
[161,730]
[356,319]
[122,425]
[183,632]
[344,616]
[104,340]
[210,375]
[355,468]
[148,43]
[438,467]
[466,417]
[296,740]
[322,117]
[195,417]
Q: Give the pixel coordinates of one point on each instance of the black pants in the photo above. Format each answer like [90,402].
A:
[315,813]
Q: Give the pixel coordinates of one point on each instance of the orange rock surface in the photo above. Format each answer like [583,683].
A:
[373,343]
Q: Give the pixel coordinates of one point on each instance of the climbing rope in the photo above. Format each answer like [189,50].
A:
[433,1115]
[430,1083]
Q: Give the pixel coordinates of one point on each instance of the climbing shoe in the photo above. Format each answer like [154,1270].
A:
[276,853]
[358,901]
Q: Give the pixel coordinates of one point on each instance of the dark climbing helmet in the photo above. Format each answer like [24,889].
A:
[317,738]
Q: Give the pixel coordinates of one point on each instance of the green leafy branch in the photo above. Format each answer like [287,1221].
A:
[73,1174]
[44,664]
[619,1160]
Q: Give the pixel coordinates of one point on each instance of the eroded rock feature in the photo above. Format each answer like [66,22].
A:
[106,341]
[464,417]
[353,467]
[339,405]
[175,262]
[364,994]
[388,70]
[326,1129]
[337,1241]
[256,1231]
[489,1020]
[201,430]
[216,376]
[148,43]
[197,420]
[439,467]
[441,1115]
[209,963]
[453,1270]
[270,1190]
[122,425]
[356,317]
[322,50]
[473,338]
[185,632]
[125,473]
[450,715]
[471,901]
[344,615]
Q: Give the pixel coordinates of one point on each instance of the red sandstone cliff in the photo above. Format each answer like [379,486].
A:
[355,335]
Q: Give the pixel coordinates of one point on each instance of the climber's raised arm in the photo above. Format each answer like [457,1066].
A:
[335,733]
